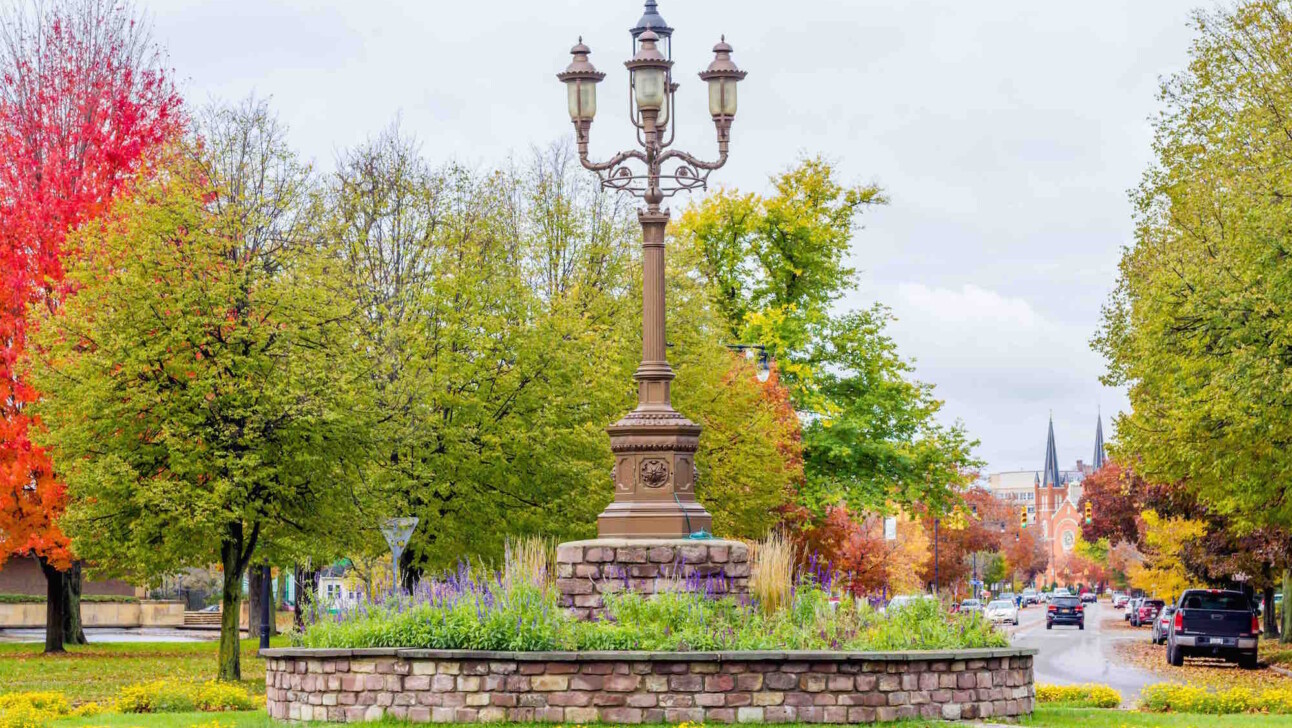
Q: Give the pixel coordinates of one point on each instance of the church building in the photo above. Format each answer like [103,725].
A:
[1053,501]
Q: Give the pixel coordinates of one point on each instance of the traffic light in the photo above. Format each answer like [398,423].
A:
[1089,513]
[1022,515]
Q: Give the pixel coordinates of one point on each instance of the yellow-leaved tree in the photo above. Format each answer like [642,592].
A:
[1161,573]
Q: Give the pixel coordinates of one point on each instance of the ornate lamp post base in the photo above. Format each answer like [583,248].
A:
[654,478]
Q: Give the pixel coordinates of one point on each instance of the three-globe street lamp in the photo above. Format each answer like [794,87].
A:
[654,445]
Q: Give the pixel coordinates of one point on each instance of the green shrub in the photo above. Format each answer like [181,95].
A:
[88,598]
[1079,696]
[510,615]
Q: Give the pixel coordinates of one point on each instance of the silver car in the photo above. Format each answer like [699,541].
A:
[1002,611]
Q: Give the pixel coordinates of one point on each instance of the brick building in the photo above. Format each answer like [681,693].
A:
[1052,498]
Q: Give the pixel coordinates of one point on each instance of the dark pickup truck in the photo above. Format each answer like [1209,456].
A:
[1214,623]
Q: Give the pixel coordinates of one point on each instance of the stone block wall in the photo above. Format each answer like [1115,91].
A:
[587,569]
[640,687]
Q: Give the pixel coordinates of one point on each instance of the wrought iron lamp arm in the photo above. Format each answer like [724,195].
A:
[609,164]
[692,161]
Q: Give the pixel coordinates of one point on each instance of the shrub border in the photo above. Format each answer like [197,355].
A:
[85,598]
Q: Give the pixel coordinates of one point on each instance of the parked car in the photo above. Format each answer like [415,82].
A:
[1146,612]
[1065,610]
[1088,597]
[906,600]
[1217,623]
[1030,597]
[1010,596]
[1162,625]
[1119,600]
[970,605]
[1131,607]
[1002,611]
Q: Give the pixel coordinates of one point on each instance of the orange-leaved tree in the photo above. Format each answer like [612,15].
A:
[83,102]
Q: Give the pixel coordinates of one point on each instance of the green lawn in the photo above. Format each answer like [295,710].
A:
[1045,717]
[93,673]
[256,719]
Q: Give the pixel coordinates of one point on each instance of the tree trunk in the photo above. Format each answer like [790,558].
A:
[298,617]
[255,589]
[307,587]
[235,553]
[1271,620]
[73,580]
[54,604]
[230,603]
[1286,635]
[280,598]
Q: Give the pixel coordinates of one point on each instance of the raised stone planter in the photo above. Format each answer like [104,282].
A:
[647,687]
[587,569]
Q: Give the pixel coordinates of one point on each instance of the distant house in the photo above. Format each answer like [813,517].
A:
[337,589]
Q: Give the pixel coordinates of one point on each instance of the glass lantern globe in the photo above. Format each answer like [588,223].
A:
[648,84]
[650,74]
[722,76]
[581,79]
[582,99]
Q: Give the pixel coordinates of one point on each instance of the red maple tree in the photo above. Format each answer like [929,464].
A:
[84,101]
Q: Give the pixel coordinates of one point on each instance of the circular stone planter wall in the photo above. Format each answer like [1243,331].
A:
[647,687]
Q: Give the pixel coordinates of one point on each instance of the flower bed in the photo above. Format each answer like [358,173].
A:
[495,614]
[500,647]
[1176,698]
[35,709]
[1088,695]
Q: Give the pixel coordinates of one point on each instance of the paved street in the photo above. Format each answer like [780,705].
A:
[1068,655]
[111,634]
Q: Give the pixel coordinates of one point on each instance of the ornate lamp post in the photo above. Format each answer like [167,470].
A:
[654,445]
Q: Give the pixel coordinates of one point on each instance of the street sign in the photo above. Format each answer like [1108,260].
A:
[397,532]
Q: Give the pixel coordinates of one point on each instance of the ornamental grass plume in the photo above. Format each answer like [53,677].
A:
[773,574]
[528,560]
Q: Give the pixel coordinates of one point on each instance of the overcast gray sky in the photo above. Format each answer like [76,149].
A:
[1006,132]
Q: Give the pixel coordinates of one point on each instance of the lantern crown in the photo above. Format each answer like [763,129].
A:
[580,68]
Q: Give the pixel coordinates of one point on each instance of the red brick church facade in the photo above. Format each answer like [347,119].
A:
[1058,505]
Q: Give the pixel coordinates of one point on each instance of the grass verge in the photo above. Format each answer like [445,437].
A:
[1044,717]
[1096,718]
[98,672]
[249,719]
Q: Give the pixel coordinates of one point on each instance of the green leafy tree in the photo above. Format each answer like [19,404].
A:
[1197,328]
[776,268]
[501,319]
[199,387]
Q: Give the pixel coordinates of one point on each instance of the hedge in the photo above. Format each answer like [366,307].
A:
[91,598]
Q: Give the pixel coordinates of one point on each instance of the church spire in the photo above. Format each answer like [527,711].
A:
[1098,462]
[1050,479]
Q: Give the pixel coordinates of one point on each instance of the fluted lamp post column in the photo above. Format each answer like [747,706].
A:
[654,445]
